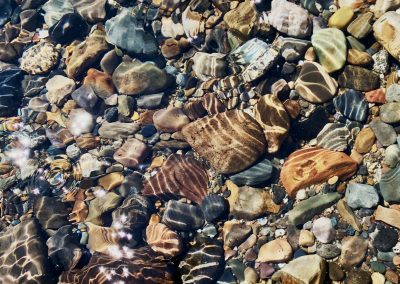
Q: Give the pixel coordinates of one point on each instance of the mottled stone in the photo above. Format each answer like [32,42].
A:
[85,97]
[390,112]
[242,19]
[365,140]
[40,58]
[234,233]
[357,57]
[330,47]
[314,84]
[323,230]
[237,131]
[100,82]
[386,239]
[314,165]
[358,78]
[85,54]
[271,115]
[58,88]
[353,251]
[135,38]
[132,153]
[386,32]
[376,96]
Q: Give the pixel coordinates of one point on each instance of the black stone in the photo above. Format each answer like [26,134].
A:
[111,114]
[311,126]
[148,130]
[352,105]
[5,11]
[386,239]
[278,194]
[10,84]
[70,27]
[214,207]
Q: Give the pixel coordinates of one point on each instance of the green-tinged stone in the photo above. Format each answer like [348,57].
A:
[330,46]
[341,18]
[356,44]
[307,209]
[389,185]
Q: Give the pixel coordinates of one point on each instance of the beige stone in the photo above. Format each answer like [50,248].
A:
[387,32]
[365,140]
[341,18]
[306,238]
[348,215]
[388,215]
[278,250]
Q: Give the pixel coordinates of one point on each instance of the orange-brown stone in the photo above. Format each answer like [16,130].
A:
[376,96]
[315,165]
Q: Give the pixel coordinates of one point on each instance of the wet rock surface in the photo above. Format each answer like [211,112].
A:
[199,141]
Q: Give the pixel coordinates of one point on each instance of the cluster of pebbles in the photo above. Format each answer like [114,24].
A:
[199,141]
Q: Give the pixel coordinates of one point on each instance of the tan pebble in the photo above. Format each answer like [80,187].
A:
[111,180]
[333,180]
[396,260]
[306,238]
[365,140]
[374,148]
[278,250]
[157,162]
[356,156]
[377,278]
[341,18]
[135,116]
[250,275]
[310,54]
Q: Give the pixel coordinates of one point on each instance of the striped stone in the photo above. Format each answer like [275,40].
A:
[182,216]
[353,105]
[314,165]
[212,104]
[231,141]
[361,26]
[330,46]
[314,84]
[91,10]
[390,21]
[203,263]
[256,174]
[145,266]
[334,136]
[273,118]
[163,240]
[180,176]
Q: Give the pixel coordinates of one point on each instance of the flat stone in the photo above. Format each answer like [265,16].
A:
[214,207]
[330,47]
[182,216]
[323,230]
[361,196]
[357,57]
[313,166]
[314,84]
[170,119]
[134,78]
[358,78]
[388,215]
[305,269]
[241,18]
[307,209]
[385,133]
[348,215]
[85,97]
[237,131]
[354,250]
[390,112]
[361,26]
[328,251]
[278,250]
[256,174]
[132,153]
[116,130]
[150,101]
[390,21]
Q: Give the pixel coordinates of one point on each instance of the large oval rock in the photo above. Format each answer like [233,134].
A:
[135,77]
[358,78]
[387,32]
[239,144]
[330,46]
[310,166]
[180,176]
[134,38]
[314,84]
[182,216]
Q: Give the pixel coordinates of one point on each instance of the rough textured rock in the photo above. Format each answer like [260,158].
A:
[132,153]
[179,176]
[353,251]
[358,78]
[237,131]
[40,58]
[314,165]
[361,196]
[271,115]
